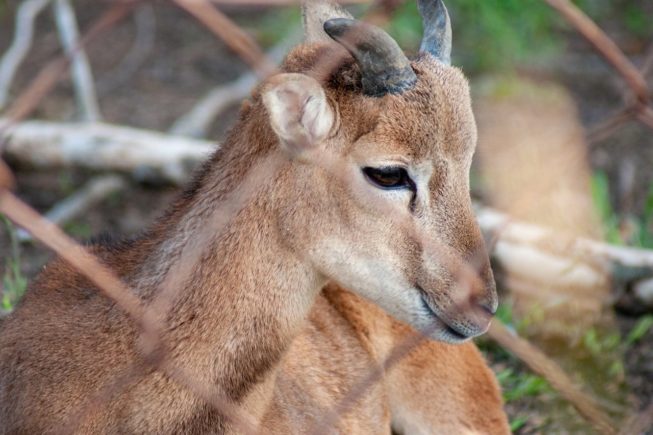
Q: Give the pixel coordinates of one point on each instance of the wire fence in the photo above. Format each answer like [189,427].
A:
[150,317]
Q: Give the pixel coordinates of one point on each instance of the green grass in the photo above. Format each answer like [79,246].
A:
[517,385]
[600,190]
[634,231]
[597,358]
[517,423]
[641,328]
[637,21]
[14,283]
[601,344]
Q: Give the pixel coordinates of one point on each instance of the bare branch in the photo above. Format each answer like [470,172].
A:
[107,147]
[27,13]
[80,68]
[513,231]
[564,259]
[533,256]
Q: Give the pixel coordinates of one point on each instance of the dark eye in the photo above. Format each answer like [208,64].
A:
[389,177]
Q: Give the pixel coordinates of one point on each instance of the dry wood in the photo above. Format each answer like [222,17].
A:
[25,16]
[535,256]
[106,147]
[82,77]
[575,250]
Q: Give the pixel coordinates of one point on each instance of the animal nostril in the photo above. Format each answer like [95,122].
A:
[485,306]
[489,309]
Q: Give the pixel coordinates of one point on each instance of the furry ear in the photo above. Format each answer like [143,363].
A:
[299,112]
[315,13]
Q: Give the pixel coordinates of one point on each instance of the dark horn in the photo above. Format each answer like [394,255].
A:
[437,30]
[384,67]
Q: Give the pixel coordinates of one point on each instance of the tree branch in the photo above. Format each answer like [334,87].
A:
[146,154]
[81,71]
[25,16]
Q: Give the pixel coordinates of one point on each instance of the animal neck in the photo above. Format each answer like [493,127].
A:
[235,295]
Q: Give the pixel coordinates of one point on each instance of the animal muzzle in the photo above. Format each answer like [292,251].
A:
[465,300]
[474,303]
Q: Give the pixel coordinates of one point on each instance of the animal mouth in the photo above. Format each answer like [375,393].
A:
[450,330]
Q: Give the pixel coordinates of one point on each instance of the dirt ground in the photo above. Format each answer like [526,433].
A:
[186,61]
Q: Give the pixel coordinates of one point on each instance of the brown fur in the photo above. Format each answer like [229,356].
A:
[248,316]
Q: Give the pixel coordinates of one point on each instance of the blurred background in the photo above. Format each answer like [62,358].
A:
[565,153]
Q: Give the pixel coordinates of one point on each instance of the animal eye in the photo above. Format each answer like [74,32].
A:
[389,177]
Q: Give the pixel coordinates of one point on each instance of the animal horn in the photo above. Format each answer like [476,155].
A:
[437,29]
[384,67]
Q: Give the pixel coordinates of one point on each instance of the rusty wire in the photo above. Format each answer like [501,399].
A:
[635,79]
[231,34]
[148,319]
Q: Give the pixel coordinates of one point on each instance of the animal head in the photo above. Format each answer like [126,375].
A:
[395,224]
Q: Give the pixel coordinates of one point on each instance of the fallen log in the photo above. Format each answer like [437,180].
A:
[145,154]
[541,256]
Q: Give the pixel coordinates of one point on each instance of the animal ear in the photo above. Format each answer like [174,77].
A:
[315,13]
[299,111]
